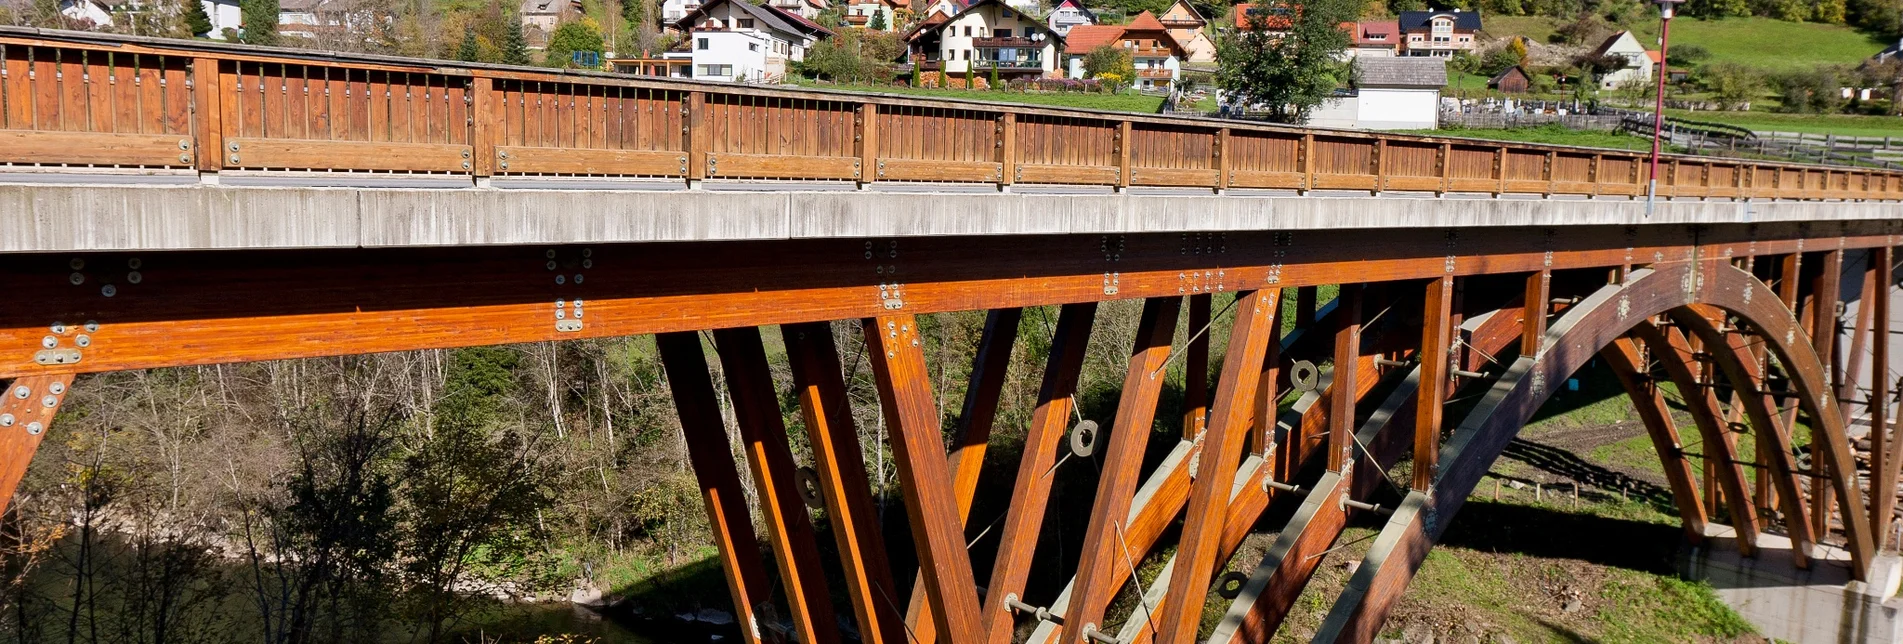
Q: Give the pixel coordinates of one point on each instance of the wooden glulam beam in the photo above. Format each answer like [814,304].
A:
[1436,356]
[27,408]
[1196,554]
[1196,366]
[1105,537]
[1675,352]
[973,432]
[1883,506]
[905,394]
[1030,491]
[192,308]
[1629,365]
[1822,325]
[756,410]
[721,496]
[837,460]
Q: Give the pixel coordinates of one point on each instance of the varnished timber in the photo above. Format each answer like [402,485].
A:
[905,394]
[756,410]
[1435,357]
[973,432]
[1594,323]
[1884,478]
[1196,367]
[1030,493]
[30,403]
[1823,331]
[821,387]
[1774,438]
[1264,601]
[1629,365]
[1197,551]
[1136,412]
[1674,351]
[706,437]
[208,308]
[1341,408]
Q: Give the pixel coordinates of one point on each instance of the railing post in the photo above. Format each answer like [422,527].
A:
[1123,155]
[1307,154]
[1444,166]
[1007,151]
[694,130]
[866,136]
[1592,173]
[1380,166]
[1222,160]
[208,115]
[486,107]
[1500,171]
[1552,173]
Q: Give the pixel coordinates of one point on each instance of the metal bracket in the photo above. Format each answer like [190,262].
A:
[891,290]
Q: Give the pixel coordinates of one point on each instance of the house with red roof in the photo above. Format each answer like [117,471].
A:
[1640,63]
[1186,26]
[859,13]
[1244,15]
[1373,38]
[1067,14]
[1156,54]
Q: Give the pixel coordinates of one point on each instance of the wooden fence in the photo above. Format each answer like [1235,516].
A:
[71,99]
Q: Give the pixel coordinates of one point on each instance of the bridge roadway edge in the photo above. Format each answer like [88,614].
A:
[36,217]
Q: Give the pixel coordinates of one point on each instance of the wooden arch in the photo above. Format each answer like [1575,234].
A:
[1688,293]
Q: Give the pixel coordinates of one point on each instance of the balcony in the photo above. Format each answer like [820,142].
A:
[994,43]
[1158,72]
[982,65]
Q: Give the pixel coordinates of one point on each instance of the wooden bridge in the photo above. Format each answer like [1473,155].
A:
[184,203]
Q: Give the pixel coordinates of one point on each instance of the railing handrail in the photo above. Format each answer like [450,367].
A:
[1110,131]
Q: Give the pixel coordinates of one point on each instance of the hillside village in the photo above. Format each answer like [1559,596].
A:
[1487,56]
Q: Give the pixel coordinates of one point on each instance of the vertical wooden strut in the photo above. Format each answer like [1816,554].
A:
[1037,468]
[1823,330]
[973,432]
[1209,496]
[1436,357]
[1136,412]
[27,407]
[1884,505]
[756,408]
[1341,405]
[1196,367]
[1628,363]
[842,479]
[1539,289]
[706,438]
[1262,433]
[905,394]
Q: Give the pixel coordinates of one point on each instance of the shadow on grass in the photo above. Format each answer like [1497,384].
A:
[1553,534]
[1565,464]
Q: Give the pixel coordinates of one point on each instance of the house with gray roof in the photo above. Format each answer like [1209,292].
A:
[1400,93]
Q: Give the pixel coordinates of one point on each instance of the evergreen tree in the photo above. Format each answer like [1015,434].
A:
[635,12]
[877,23]
[196,20]
[468,51]
[515,48]
[994,76]
[259,22]
[1287,74]
[569,38]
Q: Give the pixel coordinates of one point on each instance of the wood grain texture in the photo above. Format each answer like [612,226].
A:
[905,394]
[1720,445]
[27,407]
[1629,365]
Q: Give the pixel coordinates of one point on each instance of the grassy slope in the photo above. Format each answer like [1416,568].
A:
[1844,124]
[1127,102]
[1550,134]
[1758,42]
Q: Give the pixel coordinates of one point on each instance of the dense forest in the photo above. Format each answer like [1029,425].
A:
[402,497]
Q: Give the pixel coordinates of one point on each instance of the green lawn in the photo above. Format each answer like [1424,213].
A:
[1125,102]
[1843,124]
[1552,134]
[1758,42]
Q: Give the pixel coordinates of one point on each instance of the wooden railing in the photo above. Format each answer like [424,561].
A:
[70,99]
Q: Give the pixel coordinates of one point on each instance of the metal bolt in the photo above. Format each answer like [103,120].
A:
[135,263]
[578,278]
[58,328]
[6,420]
[550,253]
[551,264]
[184,144]
[92,326]
[587,252]
[587,263]
[134,277]
[108,290]
[34,428]
[77,278]
[49,342]
[561,279]
[49,402]
[77,264]
[234,159]
[21,392]
[83,341]
[184,158]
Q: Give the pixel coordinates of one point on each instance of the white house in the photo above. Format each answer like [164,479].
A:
[98,12]
[1397,93]
[540,17]
[1067,14]
[861,13]
[808,9]
[1640,63]
[984,36]
[1156,55]
[1439,33]
[223,13]
[733,40]
[674,10]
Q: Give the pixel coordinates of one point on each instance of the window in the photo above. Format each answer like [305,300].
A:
[967,31]
[715,70]
[1004,32]
[746,23]
[753,46]
[700,43]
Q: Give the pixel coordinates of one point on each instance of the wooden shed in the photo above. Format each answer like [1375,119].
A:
[1512,81]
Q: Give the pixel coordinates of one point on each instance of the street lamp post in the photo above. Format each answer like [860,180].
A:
[1667,9]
